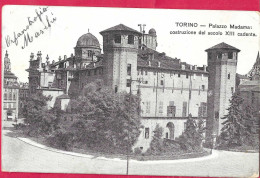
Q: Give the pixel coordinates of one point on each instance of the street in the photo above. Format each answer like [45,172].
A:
[18,156]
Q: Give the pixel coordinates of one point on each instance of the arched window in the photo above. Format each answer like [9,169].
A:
[170,126]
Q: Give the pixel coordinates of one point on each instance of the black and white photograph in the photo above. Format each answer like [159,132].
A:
[130,91]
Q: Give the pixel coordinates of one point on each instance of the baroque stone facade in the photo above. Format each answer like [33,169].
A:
[170,90]
[10,92]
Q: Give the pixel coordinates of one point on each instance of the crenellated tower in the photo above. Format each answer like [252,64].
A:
[120,45]
[222,65]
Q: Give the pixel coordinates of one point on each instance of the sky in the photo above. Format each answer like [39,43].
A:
[71,22]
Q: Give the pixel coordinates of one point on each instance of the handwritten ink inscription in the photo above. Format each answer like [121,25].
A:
[43,16]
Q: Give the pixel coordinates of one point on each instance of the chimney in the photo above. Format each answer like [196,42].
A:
[71,55]
[65,57]
[59,58]
[204,68]
[53,61]
[190,67]
[182,67]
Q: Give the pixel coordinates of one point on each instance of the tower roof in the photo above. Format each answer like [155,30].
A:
[121,27]
[222,46]
[88,40]
[152,32]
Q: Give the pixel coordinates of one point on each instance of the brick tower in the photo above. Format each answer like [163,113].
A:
[120,45]
[222,64]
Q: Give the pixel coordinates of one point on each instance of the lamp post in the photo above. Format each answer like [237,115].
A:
[127,158]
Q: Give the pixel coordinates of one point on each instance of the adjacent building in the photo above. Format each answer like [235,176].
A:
[10,92]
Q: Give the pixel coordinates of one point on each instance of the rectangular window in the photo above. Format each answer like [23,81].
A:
[14,105]
[230,55]
[9,105]
[128,83]
[154,73]
[10,96]
[130,39]
[148,106]
[179,75]
[117,38]
[187,75]
[184,109]
[95,71]
[129,69]
[209,55]
[161,82]
[5,105]
[232,90]
[116,89]
[106,38]
[171,110]
[146,133]
[5,96]
[146,72]
[203,87]
[228,76]
[202,110]
[14,96]
[161,107]
[89,73]
[219,55]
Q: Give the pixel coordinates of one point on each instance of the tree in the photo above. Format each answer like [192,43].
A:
[38,119]
[251,124]
[111,121]
[233,127]
[192,137]
[156,145]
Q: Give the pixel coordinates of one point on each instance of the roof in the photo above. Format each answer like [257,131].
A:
[121,27]
[152,32]
[222,46]
[166,62]
[250,83]
[242,76]
[88,40]
[143,58]
[8,74]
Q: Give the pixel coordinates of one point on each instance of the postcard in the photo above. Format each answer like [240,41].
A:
[130,91]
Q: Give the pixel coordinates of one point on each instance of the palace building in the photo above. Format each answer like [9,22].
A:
[10,92]
[170,89]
